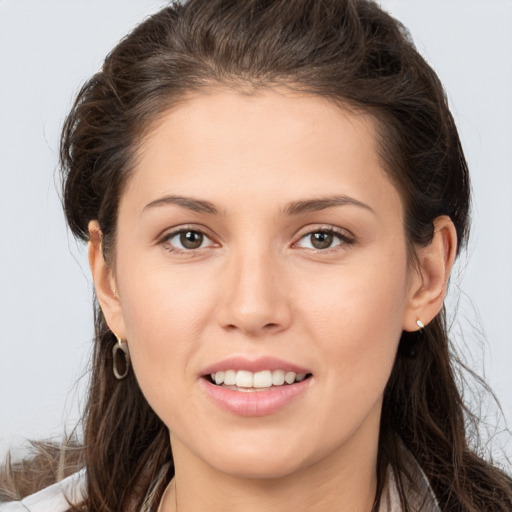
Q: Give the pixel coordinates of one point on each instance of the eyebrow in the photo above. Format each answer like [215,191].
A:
[294,208]
[314,205]
[195,205]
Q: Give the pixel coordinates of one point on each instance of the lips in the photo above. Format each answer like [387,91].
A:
[255,387]
[254,365]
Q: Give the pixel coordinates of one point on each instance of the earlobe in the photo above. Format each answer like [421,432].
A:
[429,284]
[104,282]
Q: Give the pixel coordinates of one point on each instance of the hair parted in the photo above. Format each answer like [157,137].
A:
[348,51]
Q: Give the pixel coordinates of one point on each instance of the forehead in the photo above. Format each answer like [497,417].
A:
[274,142]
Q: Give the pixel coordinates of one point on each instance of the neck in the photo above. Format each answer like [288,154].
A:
[344,481]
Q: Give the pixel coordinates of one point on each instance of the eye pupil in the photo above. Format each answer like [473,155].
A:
[321,240]
[191,239]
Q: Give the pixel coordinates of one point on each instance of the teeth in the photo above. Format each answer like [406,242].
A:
[263,379]
[289,377]
[278,377]
[243,379]
[219,377]
[230,378]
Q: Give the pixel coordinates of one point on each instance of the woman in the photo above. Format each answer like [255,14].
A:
[274,194]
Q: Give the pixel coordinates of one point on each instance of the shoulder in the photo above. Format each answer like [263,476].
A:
[55,498]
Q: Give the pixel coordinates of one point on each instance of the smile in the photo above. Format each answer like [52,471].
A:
[254,394]
[244,380]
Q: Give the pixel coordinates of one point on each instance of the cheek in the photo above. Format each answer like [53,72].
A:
[356,319]
[163,301]
[164,312]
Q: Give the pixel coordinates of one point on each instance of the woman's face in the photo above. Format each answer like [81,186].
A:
[259,238]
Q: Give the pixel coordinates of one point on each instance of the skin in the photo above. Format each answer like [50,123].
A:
[258,287]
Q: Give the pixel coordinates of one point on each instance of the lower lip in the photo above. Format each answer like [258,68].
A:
[255,403]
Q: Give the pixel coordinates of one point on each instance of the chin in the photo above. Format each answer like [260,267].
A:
[262,459]
[270,468]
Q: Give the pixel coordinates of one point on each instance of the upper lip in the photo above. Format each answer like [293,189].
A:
[253,365]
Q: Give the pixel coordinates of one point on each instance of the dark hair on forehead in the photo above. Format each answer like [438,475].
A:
[358,56]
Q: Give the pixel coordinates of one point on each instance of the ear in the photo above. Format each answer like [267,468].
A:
[429,281]
[104,282]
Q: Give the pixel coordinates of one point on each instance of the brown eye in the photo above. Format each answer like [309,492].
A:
[321,240]
[191,239]
[186,240]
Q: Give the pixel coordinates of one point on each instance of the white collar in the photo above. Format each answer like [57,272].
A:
[419,493]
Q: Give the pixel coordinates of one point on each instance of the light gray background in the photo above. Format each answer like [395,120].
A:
[47,50]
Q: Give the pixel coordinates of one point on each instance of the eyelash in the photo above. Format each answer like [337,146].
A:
[165,240]
[345,239]
[343,236]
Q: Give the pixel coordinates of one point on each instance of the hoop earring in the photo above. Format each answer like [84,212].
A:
[120,359]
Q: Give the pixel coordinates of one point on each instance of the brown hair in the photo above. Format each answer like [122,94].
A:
[47,462]
[353,53]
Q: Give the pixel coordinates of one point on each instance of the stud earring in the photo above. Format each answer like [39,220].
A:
[120,359]
[420,324]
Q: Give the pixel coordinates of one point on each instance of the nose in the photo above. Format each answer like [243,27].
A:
[254,295]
